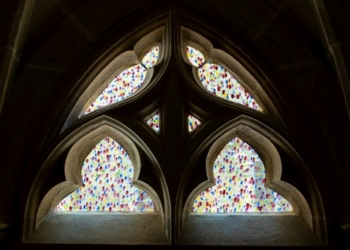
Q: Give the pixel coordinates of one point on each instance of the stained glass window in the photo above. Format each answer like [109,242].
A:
[150,59]
[153,122]
[239,175]
[193,123]
[126,83]
[107,174]
[195,57]
[221,83]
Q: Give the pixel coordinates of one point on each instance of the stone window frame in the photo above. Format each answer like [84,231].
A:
[80,142]
[73,121]
[271,160]
[259,136]
[273,167]
[234,67]
[273,170]
[38,210]
[117,62]
[75,159]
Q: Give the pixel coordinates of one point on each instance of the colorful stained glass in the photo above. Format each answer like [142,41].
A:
[107,174]
[193,123]
[150,59]
[239,186]
[124,85]
[153,122]
[221,83]
[195,57]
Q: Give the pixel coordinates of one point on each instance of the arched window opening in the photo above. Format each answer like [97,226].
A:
[102,196]
[126,83]
[107,175]
[219,81]
[154,122]
[239,175]
[244,192]
[102,167]
[193,123]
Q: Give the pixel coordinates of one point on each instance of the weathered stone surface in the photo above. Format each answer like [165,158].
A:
[248,230]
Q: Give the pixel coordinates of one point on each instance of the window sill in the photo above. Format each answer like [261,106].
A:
[100,228]
[284,229]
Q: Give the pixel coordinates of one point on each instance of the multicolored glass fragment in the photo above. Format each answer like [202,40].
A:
[239,175]
[107,174]
[123,86]
[153,122]
[193,123]
[221,83]
[150,59]
[195,57]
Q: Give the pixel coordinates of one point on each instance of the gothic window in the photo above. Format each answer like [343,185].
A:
[160,114]
[107,175]
[239,176]
[102,192]
[219,81]
[126,83]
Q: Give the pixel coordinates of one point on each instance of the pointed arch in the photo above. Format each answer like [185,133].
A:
[80,142]
[181,207]
[263,139]
[75,160]
[116,62]
[273,166]
[227,63]
[239,184]
[125,62]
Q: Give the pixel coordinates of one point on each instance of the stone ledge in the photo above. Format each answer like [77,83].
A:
[247,230]
[103,228]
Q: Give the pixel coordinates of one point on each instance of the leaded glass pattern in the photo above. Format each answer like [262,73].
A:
[107,174]
[221,83]
[150,59]
[195,57]
[239,176]
[124,85]
[193,123]
[153,122]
